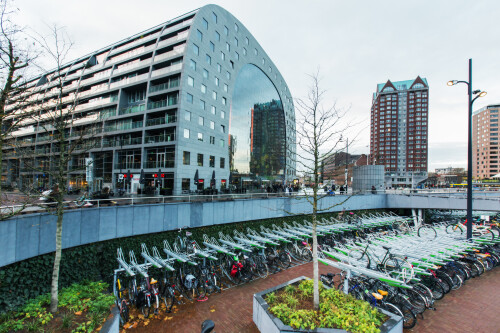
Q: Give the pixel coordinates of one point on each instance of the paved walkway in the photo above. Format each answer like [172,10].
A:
[473,308]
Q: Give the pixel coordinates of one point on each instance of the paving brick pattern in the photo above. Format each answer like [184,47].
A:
[473,308]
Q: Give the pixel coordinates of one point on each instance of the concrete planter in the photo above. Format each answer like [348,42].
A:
[267,323]
[112,324]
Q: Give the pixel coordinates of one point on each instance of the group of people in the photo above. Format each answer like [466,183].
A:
[331,190]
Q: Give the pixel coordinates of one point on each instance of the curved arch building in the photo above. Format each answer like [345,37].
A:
[192,103]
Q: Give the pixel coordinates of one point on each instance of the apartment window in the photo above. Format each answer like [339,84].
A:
[228,75]
[211,161]
[216,79]
[201,121]
[236,27]
[214,17]
[223,128]
[196,49]
[235,41]
[186,133]
[255,52]
[212,47]
[205,24]
[214,95]
[236,55]
[186,158]
[213,109]
[202,105]
[222,56]
[200,137]
[190,81]
[212,125]
[208,59]
[222,162]
[232,64]
[221,143]
[203,88]
[226,31]
[217,36]
[263,61]
[225,87]
[247,41]
[212,140]
[200,159]
[219,68]
[223,114]
[192,65]
[205,74]
[186,182]
[224,100]
[244,51]
[189,98]
[187,115]
[199,35]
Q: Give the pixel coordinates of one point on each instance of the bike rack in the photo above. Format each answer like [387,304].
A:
[225,239]
[177,256]
[254,235]
[214,245]
[243,239]
[166,263]
[141,269]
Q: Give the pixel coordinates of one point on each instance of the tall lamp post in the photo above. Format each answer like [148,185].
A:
[477,94]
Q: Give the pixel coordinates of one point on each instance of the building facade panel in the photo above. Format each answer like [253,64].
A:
[485,138]
[156,106]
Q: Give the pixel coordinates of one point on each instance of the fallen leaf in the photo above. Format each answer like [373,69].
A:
[213,310]
[127,325]
[78,313]
[134,325]
[167,318]
[146,323]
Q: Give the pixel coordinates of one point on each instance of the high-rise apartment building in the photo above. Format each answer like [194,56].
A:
[165,106]
[399,131]
[485,152]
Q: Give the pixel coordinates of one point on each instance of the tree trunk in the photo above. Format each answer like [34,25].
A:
[54,289]
[315,265]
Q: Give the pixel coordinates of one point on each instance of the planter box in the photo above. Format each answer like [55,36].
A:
[267,323]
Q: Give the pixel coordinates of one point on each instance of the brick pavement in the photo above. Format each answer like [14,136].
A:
[472,308]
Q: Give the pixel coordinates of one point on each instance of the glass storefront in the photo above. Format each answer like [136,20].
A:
[257,133]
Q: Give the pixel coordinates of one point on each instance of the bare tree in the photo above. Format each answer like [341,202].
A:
[320,132]
[70,135]
[16,59]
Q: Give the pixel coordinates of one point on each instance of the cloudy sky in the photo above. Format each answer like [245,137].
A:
[355,44]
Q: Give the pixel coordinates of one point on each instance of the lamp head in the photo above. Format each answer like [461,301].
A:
[452,82]
[482,93]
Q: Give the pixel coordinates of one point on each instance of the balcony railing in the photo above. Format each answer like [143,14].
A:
[124,142]
[167,85]
[175,52]
[158,165]
[132,109]
[160,138]
[125,166]
[129,80]
[166,70]
[172,100]
[161,121]
[123,126]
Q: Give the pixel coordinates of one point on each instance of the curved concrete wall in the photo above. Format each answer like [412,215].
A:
[28,236]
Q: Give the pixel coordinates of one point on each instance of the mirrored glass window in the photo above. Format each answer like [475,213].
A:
[257,136]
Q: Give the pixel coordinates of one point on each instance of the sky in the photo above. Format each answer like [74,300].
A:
[354,44]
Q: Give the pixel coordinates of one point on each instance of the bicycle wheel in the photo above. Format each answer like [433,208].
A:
[427,232]
[168,299]
[262,269]
[454,229]
[400,266]
[357,257]
[306,254]
[146,307]
[132,291]
[417,300]
[284,260]
[409,318]
[124,312]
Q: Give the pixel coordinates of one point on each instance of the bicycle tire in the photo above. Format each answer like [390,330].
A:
[169,299]
[284,260]
[409,318]
[417,300]
[357,257]
[399,265]
[306,254]
[427,232]
[262,268]
[454,229]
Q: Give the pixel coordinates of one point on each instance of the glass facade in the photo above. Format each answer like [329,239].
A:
[257,134]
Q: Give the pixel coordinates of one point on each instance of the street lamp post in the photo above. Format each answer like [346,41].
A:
[346,162]
[479,93]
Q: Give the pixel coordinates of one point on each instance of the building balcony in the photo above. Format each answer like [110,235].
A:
[159,165]
[161,121]
[166,70]
[132,109]
[163,103]
[160,138]
[123,127]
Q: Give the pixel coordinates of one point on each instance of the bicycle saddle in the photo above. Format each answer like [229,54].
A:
[207,326]
[330,275]
[386,247]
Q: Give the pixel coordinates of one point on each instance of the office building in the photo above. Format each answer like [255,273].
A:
[485,153]
[399,131]
[163,106]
